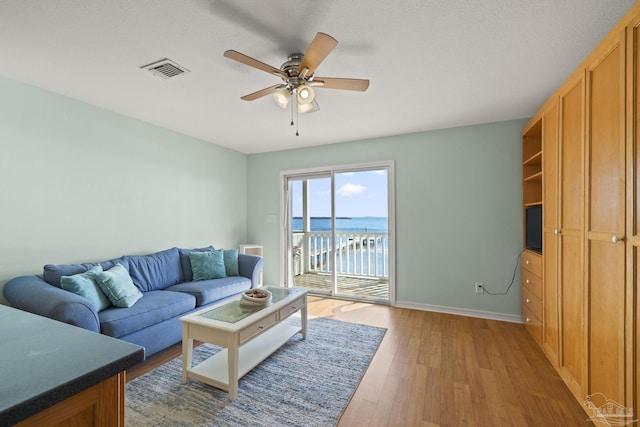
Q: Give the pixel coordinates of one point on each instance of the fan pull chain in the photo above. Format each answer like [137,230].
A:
[292,112]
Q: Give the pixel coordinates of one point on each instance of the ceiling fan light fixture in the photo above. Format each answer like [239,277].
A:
[305,94]
[308,108]
[304,108]
[282,97]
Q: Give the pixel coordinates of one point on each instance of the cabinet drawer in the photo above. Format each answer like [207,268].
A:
[258,327]
[531,302]
[532,324]
[291,308]
[533,283]
[532,262]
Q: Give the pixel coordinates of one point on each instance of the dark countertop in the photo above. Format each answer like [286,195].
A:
[43,362]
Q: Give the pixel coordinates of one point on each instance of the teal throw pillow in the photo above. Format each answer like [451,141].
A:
[118,286]
[85,285]
[207,265]
[231,262]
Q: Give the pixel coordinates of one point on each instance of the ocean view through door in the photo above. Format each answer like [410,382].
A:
[337,232]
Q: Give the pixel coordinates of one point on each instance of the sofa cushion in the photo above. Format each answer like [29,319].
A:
[207,265]
[155,271]
[208,291]
[118,286]
[152,308]
[231,262]
[53,272]
[85,285]
[185,262]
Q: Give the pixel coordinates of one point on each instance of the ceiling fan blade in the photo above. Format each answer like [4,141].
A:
[338,83]
[247,60]
[320,47]
[263,92]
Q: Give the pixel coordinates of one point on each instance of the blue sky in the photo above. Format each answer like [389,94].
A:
[358,194]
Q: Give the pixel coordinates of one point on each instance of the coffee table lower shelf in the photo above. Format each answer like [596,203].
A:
[215,370]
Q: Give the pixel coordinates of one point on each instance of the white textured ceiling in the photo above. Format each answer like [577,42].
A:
[432,63]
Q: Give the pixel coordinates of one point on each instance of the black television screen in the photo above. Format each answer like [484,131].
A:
[533,228]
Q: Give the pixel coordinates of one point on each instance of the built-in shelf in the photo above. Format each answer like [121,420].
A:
[535,159]
[532,166]
[535,177]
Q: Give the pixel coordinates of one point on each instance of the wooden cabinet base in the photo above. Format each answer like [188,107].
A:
[100,405]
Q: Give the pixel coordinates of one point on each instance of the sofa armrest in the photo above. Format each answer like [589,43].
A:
[250,267]
[32,294]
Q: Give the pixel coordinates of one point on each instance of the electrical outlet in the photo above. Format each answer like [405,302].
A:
[479,288]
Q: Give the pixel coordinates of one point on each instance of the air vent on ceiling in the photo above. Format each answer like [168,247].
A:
[165,68]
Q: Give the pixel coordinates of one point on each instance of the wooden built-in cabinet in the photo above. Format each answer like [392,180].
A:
[605,213]
[100,405]
[632,245]
[550,231]
[532,297]
[532,293]
[572,304]
[589,133]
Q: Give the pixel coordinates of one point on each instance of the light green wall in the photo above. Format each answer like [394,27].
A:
[458,209]
[78,183]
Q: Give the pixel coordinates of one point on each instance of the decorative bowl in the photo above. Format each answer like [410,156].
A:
[256,297]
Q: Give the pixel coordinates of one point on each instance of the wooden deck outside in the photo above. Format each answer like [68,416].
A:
[365,288]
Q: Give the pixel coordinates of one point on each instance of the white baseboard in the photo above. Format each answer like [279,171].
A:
[504,317]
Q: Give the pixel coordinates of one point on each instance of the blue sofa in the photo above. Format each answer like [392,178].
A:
[165,280]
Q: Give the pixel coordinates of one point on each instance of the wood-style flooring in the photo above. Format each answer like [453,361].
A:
[436,369]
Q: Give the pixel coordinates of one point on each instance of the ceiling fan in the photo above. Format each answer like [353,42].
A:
[298,78]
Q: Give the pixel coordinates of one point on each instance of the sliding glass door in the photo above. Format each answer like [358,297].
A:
[336,233]
[310,233]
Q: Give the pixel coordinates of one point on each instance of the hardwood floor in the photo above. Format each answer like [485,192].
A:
[436,369]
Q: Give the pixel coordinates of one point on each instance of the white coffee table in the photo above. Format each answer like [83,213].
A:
[248,336]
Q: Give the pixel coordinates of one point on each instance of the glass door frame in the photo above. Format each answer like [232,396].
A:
[286,254]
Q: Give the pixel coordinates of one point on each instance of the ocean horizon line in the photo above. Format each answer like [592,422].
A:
[339,217]
[345,224]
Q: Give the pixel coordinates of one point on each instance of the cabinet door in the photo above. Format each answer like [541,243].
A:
[550,319]
[605,199]
[633,198]
[573,307]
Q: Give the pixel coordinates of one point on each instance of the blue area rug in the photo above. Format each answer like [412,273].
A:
[305,383]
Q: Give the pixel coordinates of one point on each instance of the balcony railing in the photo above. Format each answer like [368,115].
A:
[357,254]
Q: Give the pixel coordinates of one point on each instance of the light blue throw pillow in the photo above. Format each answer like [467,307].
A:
[118,286]
[207,265]
[85,285]
[185,262]
[231,262]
